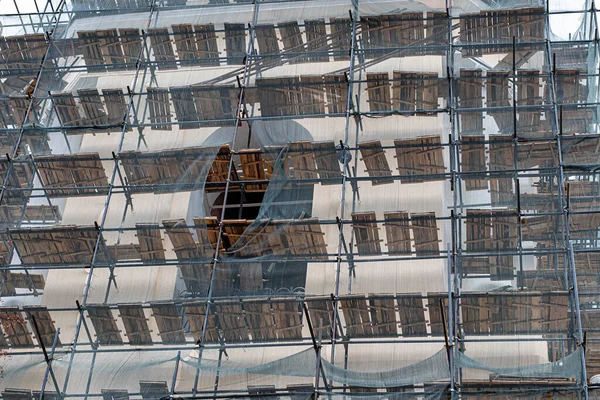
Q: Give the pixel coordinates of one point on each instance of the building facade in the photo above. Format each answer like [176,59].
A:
[299,199]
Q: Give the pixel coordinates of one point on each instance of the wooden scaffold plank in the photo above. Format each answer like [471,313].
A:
[150,242]
[162,48]
[420,160]
[356,316]
[169,322]
[78,174]
[16,331]
[196,314]
[45,325]
[366,233]
[383,315]
[412,314]
[260,319]
[397,232]
[136,324]
[105,325]
[425,233]
[374,157]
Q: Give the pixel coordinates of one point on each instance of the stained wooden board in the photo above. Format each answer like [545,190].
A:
[504,237]
[78,174]
[412,314]
[316,40]
[416,92]
[268,42]
[105,325]
[366,233]
[397,232]
[499,94]
[341,38]
[300,162]
[120,252]
[470,95]
[131,41]
[93,108]
[185,107]
[312,94]
[383,315]
[16,176]
[544,280]
[476,315]
[356,316]
[45,325]
[231,321]
[159,108]
[206,43]
[215,103]
[500,26]
[111,49]
[89,46]
[235,43]
[116,108]
[288,319]
[67,110]
[320,310]
[336,89]
[425,233]
[57,245]
[478,224]
[420,160]
[378,88]
[150,242]
[195,275]
[196,314]
[306,238]
[185,42]
[328,165]
[162,48]
[279,96]
[292,41]
[17,394]
[16,331]
[169,322]
[472,151]
[17,280]
[253,168]
[260,319]
[207,231]
[136,324]
[178,169]
[373,155]
[529,93]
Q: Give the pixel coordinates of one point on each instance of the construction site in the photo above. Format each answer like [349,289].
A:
[270,199]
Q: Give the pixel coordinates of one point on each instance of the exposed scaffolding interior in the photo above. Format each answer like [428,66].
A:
[290,199]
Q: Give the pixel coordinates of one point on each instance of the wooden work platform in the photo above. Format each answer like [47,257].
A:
[246,238]
[90,110]
[57,245]
[470,96]
[71,175]
[177,170]
[505,313]
[420,160]
[490,231]
[499,27]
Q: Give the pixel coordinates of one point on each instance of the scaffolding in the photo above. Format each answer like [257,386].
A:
[292,199]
